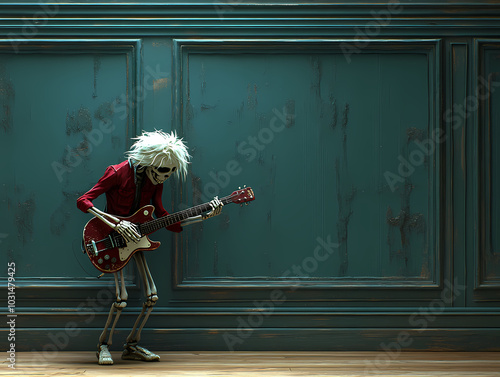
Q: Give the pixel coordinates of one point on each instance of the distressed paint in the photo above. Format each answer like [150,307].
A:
[344,200]
[78,121]
[97,68]
[105,111]
[24,214]
[346,194]
[415,134]
[407,224]
[63,213]
[160,84]
[7,98]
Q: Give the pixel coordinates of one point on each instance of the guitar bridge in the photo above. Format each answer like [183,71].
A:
[94,247]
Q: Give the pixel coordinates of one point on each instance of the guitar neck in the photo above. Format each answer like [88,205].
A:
[162,222]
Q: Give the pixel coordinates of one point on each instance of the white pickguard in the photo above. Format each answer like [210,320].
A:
[132,246]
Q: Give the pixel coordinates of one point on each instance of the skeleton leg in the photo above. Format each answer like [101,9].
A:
[132,350]
[103,353]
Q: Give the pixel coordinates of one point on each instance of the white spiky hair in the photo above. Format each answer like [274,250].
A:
[158,148]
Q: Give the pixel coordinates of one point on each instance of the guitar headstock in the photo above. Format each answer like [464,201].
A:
[243,195]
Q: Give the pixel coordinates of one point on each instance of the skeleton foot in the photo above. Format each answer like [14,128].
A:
[104,355]
[138,353]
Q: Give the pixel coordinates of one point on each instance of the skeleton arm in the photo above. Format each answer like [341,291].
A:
[216,205]
[125,228]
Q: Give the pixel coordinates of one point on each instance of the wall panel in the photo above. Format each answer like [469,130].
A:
[488,252]
[67,106]
[305,122]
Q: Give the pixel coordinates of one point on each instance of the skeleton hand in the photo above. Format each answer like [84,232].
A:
[216,209]
[128,231]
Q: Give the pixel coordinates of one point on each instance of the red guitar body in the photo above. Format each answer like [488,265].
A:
[107,250]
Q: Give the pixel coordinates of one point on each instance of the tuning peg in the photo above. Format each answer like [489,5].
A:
[239,188]
[244,186]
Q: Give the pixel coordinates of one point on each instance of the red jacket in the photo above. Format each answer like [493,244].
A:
[118,183]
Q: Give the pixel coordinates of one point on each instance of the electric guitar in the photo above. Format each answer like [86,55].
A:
[110,252]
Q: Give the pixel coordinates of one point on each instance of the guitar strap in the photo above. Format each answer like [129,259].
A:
[139,182]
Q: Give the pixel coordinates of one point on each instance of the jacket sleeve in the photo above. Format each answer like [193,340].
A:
[160,211]
[107,181]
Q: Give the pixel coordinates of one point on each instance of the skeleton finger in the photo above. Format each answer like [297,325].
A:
[216,205]
[130,235]
[132,229]
[128,230]
[124,233]
[133,234]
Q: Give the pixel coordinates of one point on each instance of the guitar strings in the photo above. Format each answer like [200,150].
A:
[149,227]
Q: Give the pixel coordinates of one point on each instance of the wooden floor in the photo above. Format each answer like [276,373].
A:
[196,364]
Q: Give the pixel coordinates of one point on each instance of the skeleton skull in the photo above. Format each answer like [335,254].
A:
[158,175]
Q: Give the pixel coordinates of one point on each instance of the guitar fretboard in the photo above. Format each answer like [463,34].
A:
[162,222]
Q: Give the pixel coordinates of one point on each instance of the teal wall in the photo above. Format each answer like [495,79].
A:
[367,132]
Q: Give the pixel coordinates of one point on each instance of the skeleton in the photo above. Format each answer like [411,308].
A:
[155,160]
